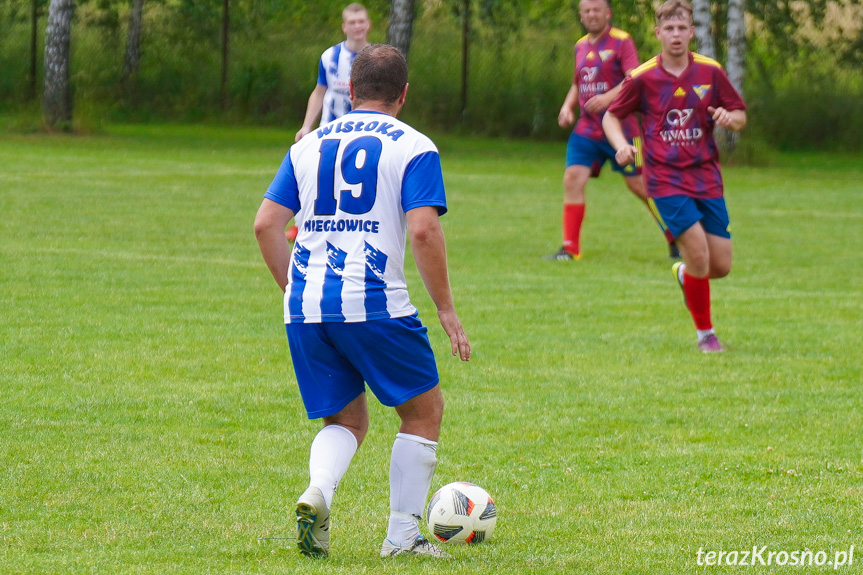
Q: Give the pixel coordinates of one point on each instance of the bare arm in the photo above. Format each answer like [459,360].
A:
[429,250]
[566,117]
[600,102]
[270,232]
[614,133]
[313,111]
[730,119]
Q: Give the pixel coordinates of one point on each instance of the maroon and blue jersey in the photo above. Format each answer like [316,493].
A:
[680,154]
[599,67]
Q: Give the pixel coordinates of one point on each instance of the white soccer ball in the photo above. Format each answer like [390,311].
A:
[461,512]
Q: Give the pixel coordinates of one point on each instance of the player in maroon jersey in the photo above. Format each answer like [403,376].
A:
[682,96]
[603,58]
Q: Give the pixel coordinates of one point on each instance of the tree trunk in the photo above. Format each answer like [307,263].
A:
[736,64]
[465,52]
[703,28]
[400,30]
[133,41]
[34,24]
[58,95]
[223,85]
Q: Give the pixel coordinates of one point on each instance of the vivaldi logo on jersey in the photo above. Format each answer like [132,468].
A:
[679,118]
[588,73]
[679,134]
[588,87]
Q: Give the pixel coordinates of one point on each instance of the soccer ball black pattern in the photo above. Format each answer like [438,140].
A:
[461,513]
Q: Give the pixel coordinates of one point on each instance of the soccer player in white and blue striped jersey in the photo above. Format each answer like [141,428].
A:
[330,98]
[356,186]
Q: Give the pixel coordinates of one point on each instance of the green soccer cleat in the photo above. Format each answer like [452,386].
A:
[313,524]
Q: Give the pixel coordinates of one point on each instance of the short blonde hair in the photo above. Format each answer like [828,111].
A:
[672,9]
[353,8]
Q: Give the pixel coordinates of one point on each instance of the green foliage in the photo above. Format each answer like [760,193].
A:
[151,422]
[810,103]
[520,63]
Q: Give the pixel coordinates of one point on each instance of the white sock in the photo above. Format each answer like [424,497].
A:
[702,333]
[680,272]
[412,467]
[331,453]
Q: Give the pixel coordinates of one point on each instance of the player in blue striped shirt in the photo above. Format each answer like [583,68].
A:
[356,186]
[330,98]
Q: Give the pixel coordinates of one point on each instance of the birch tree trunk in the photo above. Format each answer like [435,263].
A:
[703,29]
[57,98]
[736,64]
[133,41]
[400,29]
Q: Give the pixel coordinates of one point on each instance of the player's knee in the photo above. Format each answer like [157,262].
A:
[573,176]
[720,270]
[573,191]
[698,265]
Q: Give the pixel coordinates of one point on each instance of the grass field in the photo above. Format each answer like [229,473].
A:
[150,422]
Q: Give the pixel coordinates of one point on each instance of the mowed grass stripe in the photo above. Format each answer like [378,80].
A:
[150,422]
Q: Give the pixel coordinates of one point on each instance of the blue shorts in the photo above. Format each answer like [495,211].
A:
[676,214]
[581,151]
[333,361]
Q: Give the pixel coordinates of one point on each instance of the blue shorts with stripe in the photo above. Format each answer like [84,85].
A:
[582,151]
[676,214]
[334,361]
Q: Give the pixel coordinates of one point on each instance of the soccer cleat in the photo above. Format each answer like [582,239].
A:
[709,344]
[673,252]
[421,546]
[562,256]
[313,524]
[675,269]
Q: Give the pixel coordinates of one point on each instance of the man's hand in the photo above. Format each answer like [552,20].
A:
[732,120]
[625,155]
[598,103]
[458,339]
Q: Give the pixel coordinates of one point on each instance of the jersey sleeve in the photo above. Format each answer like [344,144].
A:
[422,184]
[726,95]
[627,100]
[322,73]
[284,189]
[628,55]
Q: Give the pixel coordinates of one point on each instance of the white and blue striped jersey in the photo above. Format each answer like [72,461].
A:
[334,71]
[350,184]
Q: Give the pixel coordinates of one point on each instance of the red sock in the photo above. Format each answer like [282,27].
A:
[573,215]
[697,292]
